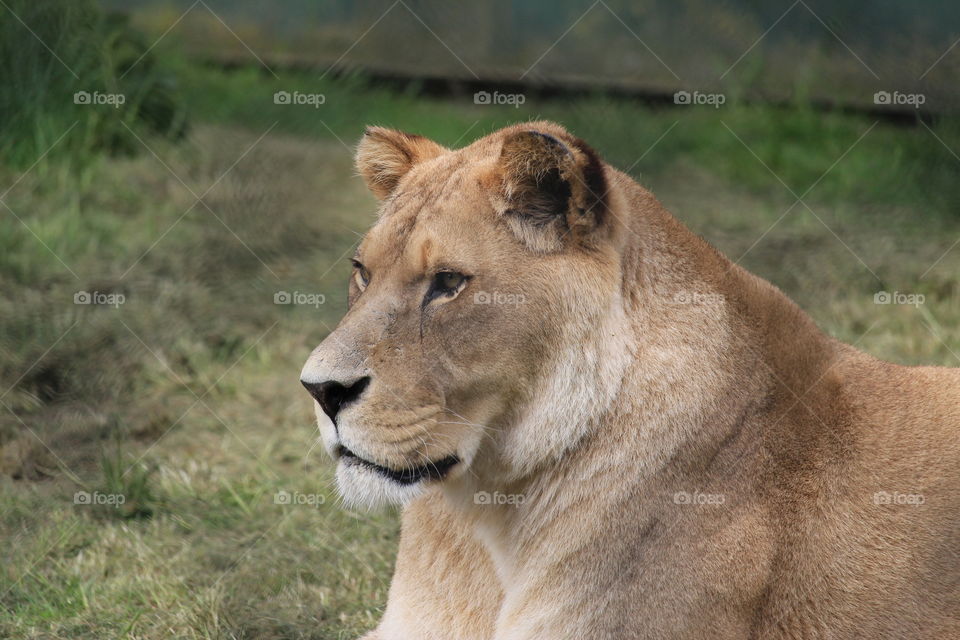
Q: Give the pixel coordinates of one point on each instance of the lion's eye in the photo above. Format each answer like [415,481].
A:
[449,280]
[446,284]
[361,276]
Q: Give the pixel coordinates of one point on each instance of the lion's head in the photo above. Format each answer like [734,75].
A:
[482,331]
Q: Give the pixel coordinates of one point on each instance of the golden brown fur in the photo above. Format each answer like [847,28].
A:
[688,456]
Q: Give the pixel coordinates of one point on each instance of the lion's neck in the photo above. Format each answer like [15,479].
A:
[685,355]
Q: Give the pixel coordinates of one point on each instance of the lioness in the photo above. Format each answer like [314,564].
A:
[600,427]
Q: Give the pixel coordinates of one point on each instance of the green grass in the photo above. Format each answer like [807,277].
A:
[184,398]
[99,80]
[893,165]
[195,373]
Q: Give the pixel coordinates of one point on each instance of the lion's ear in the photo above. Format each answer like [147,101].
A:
[551,188]
[386,155]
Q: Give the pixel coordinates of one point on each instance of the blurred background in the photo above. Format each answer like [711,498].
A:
[178,207]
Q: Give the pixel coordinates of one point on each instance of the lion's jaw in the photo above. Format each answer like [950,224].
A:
[579,384]
[499,440]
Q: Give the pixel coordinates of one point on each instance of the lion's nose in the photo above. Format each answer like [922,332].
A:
[333,395]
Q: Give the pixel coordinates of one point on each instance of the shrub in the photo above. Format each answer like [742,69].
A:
[68,66]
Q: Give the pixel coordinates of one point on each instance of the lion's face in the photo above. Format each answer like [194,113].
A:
[483,267]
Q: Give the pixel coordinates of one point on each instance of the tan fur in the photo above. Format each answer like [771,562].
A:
[601,363]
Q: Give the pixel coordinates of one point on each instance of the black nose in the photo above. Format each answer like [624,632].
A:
[333,395]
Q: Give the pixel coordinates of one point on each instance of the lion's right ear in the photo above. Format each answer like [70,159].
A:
[553,187]
[386,155]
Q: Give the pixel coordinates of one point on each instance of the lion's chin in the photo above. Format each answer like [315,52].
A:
[364,488]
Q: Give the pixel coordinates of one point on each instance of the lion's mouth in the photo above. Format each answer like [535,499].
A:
[435,470]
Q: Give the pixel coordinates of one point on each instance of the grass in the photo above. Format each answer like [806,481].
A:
[100,81]
[896,165]
[183,398]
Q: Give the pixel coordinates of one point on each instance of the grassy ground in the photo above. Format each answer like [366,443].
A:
[183,397]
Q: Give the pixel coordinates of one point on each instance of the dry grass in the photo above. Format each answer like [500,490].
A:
[194,379]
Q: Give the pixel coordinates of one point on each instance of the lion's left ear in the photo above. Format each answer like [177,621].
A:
[553,188]
[386,155]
